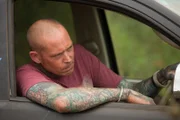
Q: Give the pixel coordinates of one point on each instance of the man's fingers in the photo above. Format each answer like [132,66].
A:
[138,98]
[152,102]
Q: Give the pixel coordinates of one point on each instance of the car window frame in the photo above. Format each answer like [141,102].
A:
[8,85]
[147,12]
[5,39]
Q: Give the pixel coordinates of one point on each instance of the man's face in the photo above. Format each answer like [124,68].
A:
[58,55]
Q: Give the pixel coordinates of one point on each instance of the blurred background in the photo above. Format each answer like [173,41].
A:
[139,51]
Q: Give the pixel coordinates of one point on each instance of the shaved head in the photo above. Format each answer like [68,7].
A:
[51,47]
[41,30]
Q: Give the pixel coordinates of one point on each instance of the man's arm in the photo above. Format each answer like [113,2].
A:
[145,87]
[62,99]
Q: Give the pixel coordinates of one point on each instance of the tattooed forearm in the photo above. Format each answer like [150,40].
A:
[70,99]
[146,87]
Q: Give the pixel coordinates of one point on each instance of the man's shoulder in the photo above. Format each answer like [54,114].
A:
[78,47]
[26,67]
[79,50]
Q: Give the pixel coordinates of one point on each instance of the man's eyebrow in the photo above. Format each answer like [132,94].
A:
[54,55]
[61,52]
[69,46]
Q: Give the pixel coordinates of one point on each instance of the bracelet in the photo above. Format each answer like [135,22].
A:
[158,84]
[120,94]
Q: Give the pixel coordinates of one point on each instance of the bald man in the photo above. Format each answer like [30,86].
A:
[68,78]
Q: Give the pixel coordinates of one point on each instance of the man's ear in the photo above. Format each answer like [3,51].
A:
[35,57]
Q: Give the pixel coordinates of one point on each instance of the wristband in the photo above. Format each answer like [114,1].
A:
[157,83]
[120,94]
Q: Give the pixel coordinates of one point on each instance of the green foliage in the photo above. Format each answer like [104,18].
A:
[139,51]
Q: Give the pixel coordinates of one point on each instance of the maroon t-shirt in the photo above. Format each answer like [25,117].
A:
[88,72]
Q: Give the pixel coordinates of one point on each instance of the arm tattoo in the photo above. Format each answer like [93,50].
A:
[62,99]
[145,87]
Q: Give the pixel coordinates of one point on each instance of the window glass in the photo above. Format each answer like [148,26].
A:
[138,49]
[27,12]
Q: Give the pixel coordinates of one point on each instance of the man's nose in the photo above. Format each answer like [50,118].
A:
[67,57]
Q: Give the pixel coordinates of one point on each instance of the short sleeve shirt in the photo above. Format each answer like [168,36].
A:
[88,72]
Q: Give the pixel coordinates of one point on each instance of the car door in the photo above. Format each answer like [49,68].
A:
[149,13]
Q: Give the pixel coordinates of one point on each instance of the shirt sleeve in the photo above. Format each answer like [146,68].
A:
[26,77]
[101,75]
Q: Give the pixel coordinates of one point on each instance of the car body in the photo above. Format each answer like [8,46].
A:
[149,12]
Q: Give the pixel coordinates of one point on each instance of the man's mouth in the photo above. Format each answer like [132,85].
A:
[69,68]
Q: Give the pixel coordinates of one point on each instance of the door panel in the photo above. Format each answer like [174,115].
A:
[28,111]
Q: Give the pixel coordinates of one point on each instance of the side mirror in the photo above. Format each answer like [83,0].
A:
[176,84]
[167,40]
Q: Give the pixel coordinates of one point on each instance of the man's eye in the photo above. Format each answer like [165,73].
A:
[58,55]
[70,48]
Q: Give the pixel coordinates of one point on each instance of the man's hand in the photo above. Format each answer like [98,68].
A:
[166,74]
[132,96]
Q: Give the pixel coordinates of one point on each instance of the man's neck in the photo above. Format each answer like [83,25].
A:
[43,70]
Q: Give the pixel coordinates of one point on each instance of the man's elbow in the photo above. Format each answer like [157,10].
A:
[61,106]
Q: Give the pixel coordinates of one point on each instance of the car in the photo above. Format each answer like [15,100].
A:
[88,26]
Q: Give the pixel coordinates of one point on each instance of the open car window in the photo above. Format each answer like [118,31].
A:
[140,51]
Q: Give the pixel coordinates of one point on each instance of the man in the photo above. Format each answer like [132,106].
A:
[68,78]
